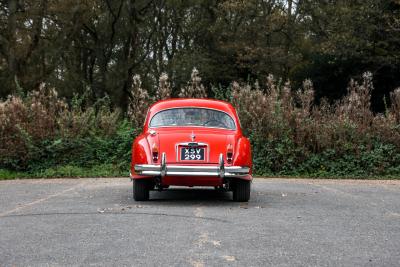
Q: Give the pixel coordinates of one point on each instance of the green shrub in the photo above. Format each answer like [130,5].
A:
[382,160]
[42,135]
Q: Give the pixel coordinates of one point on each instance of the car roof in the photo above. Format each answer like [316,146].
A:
[192,102]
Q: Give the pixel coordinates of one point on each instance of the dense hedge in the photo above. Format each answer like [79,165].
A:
[283,158]
[44,136]
[110,156]
[91,155]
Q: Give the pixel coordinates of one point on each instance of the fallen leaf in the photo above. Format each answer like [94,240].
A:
[229,258]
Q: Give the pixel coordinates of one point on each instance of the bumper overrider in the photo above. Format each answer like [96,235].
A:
[219,170]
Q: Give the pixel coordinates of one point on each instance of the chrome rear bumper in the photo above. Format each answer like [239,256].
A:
[191,170]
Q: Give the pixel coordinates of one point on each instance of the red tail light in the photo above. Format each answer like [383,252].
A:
[155,152]
[229,153]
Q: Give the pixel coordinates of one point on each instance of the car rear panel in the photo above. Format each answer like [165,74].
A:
[213,142]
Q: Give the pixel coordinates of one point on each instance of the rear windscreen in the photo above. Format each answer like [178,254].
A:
[193,117]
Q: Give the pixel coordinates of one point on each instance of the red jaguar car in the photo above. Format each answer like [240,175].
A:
[191,142]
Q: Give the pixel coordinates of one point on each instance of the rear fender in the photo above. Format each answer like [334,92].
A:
[242,156]
[141,154]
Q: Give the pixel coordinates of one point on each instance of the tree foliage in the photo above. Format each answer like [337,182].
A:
[100,45]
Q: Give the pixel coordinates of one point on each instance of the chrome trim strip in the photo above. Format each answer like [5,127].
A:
[187,143]
[221,166]
[163,170]
[191,126]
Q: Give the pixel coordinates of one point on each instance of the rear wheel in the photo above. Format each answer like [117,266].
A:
[241,190]
[141,189]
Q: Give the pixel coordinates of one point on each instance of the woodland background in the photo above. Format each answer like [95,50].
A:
[76,78]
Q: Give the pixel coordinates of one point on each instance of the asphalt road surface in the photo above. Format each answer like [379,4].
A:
[287,222]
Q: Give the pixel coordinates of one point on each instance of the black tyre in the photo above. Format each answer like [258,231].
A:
[141,190]
[241,190]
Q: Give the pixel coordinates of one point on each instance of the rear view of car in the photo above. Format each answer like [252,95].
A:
[191,142]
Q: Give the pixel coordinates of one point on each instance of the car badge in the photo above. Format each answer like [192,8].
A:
[193,136]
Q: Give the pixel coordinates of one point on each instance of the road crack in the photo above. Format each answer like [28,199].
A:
[38,201]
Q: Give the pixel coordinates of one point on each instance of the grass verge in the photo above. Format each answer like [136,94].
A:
[103,170]
[110,170]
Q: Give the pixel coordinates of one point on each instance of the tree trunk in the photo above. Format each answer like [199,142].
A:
[12,62]
[288,38]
